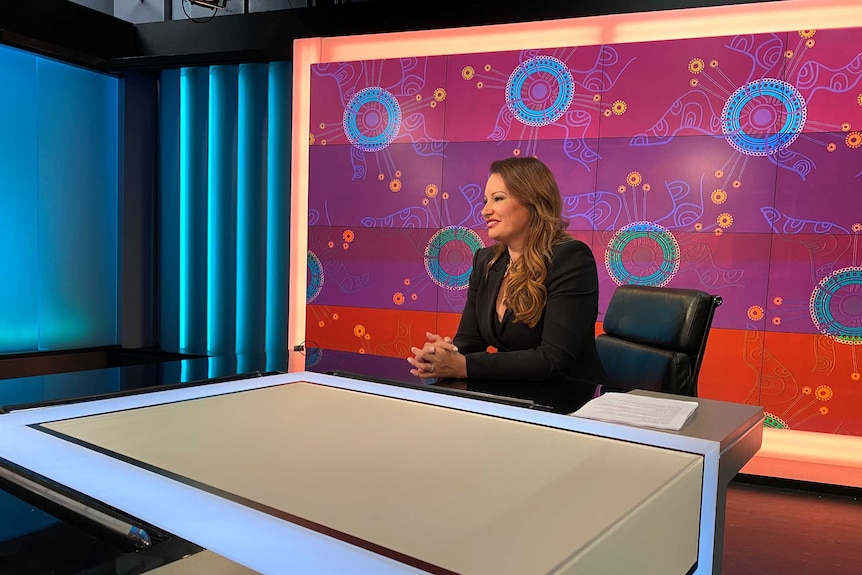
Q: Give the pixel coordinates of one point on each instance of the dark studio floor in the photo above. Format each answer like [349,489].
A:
[774,527]
[770,529]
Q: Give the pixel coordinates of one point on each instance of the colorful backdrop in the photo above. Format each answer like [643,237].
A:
[729,164]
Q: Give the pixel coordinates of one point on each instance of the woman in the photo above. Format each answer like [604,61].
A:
[533,297]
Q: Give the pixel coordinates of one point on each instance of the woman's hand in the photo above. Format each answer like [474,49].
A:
[439,357]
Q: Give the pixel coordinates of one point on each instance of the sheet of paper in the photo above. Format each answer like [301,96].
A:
[639,410]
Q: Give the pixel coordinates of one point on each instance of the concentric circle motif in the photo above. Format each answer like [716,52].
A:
[751,113]
[540,90]
[372,119]
[642,253]
[315,277]
[449,256]
[313,355]
[773,421]
[836,306]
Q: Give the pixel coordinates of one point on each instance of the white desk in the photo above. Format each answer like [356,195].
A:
[306,473]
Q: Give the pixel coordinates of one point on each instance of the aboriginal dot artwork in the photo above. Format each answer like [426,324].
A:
[728,164]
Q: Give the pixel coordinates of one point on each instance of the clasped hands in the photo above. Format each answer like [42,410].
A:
[439,357]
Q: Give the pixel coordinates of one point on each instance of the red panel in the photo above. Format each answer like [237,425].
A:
[804,382]
[373,331]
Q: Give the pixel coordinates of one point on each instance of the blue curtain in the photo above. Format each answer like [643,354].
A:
[224,197]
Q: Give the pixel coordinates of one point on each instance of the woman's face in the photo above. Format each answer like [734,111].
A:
[504,214]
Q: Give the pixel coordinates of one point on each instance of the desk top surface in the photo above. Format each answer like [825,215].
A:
[257,507]
[442,489]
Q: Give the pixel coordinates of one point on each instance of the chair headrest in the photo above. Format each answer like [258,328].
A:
[671,318]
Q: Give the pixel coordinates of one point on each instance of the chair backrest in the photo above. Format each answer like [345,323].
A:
[655,337]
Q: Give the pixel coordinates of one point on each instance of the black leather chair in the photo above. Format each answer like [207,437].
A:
[655,337]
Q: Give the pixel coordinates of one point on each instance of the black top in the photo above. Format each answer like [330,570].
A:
[555,362]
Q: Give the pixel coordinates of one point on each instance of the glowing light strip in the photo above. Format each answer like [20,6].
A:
[214,207]
[186,97]
[610,29]
[305,53]
[276,240]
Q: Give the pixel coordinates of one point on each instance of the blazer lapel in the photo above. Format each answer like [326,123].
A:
[495,280]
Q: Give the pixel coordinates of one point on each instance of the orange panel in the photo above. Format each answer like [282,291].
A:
[386,332]
[804,382]
[728,372]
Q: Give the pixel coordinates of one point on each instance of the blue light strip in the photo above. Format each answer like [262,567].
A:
[187,95]
[193,210]
[214,208]
[251,208]
[221,216]
[278,213]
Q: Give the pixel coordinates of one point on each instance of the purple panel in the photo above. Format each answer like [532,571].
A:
[366,267]
[815,284]
[389,101]
[394,187]
[729,265]
[826,69]
[373,366]
[597,244]
[820,179]
[466,171]
[680,87]
[521,97]
[686,184]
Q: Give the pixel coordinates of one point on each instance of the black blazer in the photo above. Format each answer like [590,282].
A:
[555,362]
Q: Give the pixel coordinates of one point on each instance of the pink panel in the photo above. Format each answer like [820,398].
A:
[680,87]
[825,66]
[818,179]
[378,102]
[521,97]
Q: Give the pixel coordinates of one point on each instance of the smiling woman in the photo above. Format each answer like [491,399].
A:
[532,297]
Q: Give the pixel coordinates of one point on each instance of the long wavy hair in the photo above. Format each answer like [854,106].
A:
[533,184]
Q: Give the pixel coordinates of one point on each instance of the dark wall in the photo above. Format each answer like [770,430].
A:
[138,147]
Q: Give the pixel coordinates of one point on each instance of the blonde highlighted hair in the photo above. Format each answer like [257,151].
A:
[533,184]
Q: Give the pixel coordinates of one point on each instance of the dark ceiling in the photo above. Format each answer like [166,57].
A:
[80,35]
